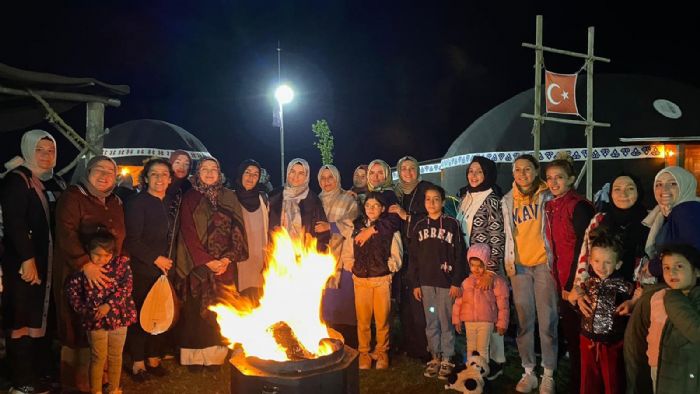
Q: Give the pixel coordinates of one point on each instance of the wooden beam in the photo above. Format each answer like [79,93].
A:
[539,60]
[563,52]
[589,115]
[561,120]
[79,97]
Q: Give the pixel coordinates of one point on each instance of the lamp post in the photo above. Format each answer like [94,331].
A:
[284,95]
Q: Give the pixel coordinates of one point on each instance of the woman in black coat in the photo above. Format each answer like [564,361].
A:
[28,199]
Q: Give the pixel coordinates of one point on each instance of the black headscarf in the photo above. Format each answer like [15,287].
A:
[249,199]
[490,174]
[617,217]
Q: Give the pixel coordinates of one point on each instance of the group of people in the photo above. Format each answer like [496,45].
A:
[616,289]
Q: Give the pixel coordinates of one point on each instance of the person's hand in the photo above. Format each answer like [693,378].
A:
[575,294]
[29,273]
[352,193]
[218,267]
[625,308]
[485,281]
[454,292]
[164,264]
[396,208]
[102,311]
[500,330]
[322,227]
[584,305]
[458,328]
[418,294]
[96,275]
[364,235]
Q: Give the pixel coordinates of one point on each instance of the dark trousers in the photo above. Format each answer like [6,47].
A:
[139,343]
[602,367]
[413,340]
[569,328]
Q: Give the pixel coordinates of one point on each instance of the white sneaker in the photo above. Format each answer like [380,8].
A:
[547,386]
[527,383]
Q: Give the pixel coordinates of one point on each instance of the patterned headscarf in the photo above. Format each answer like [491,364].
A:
[403,186]
[327,196]
[388,184]
[211,192]
[292,195]
[88,168]
[30,139]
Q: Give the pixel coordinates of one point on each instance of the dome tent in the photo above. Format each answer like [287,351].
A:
[133,142]
[635,106]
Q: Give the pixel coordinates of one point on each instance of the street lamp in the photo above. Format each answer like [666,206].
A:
[284,95]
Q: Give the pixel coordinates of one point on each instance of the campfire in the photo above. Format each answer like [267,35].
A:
[286,325]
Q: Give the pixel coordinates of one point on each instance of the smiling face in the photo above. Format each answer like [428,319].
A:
[181,166]
[475,175]
[376,175]
[158,179]
[604,261]
[103,175]
[45,154]
[524,173]
[297,175]
[209,172]
[679,273]
[250,177]
[558,181]
[408,171]
[327,181]
[666,190]
[476,267]
[624,192]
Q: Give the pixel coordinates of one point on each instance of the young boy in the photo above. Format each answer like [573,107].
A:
[105,313]
[437,270]
[602,326]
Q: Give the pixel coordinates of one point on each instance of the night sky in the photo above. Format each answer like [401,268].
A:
[391,79]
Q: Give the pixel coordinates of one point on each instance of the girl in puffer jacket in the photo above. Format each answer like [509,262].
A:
[482,311]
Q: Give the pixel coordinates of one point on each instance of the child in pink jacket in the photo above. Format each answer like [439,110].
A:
[482,310]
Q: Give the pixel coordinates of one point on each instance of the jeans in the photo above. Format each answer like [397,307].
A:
[373,297]
[535,299]
[106,346]
[437,305]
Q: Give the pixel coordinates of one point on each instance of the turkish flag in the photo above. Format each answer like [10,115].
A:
[560,93]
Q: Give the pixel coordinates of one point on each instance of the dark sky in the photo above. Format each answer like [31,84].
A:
[391,78]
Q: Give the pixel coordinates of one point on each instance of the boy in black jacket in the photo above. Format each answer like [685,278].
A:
[437,250]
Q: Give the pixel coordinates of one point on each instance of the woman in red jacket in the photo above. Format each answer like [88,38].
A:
[568,216]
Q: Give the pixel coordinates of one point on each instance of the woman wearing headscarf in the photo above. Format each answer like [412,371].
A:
[298,209]
[410,191]
[359,183]
[676,218]
[82,210]
[338,305]
[255,217]
[28,198]
[149,244]
[379,180]
[481,217]
[622,218]
[212,241]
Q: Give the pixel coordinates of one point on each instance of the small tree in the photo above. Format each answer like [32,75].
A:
[324,141]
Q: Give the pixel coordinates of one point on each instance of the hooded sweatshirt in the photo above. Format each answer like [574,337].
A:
[437,253]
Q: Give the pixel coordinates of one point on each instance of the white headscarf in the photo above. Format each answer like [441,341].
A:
[30,139]
[291,213]
[327,197]
[687,185]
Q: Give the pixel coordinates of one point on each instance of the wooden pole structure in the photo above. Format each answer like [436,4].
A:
[589,115]
[95,127]
[539,59]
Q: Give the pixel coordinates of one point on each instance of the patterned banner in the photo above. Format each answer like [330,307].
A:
[578,154]
[148,152]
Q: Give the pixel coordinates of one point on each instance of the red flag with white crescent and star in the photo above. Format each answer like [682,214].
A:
[560,93]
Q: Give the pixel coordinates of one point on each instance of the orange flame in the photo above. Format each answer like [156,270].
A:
[294,281]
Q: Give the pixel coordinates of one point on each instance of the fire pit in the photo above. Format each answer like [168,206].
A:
[281,344]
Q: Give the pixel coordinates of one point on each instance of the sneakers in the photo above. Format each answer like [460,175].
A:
[432,368]
[382,360]
[27,390]
[527,383]
[446,368]
[495,370]
[365,361]
[547,385]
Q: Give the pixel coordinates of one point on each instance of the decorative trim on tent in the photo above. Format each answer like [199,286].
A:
[578,154]
[150,152]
